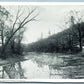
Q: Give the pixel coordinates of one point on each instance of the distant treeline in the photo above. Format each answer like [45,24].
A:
[66,41]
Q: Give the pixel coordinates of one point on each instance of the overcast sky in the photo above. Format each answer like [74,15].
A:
[51,18]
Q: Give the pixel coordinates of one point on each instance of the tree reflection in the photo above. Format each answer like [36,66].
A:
[72,68]
[13,71]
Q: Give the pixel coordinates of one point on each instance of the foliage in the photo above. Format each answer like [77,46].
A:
[12,30]
[65,41]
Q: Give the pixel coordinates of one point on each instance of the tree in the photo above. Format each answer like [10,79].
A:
[18,40]
[19,24]
[75,20]
[4,17]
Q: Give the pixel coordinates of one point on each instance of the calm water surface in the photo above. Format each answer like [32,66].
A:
[46,66]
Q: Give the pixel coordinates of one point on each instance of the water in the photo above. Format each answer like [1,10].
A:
[38,65]
[44,66]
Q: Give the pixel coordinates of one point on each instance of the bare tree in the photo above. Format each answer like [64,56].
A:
[19,24]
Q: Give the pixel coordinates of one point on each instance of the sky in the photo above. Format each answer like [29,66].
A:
[51,18]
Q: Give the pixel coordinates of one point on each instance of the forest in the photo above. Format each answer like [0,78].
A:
[12,28]
[70,40]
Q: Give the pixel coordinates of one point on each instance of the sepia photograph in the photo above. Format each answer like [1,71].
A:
[42,41]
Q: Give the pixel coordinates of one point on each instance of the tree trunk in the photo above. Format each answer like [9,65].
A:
[80,38]
[80,43]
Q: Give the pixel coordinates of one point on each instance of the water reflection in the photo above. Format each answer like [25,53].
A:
[59,66]
[72,68]
[12,71]
[41,65]
[45,65]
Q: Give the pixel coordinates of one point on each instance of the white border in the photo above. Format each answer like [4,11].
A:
[41,3]
[42,80]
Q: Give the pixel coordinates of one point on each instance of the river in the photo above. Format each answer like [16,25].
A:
[45,66]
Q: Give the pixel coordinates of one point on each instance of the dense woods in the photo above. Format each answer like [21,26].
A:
[70,40]
[65,41]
